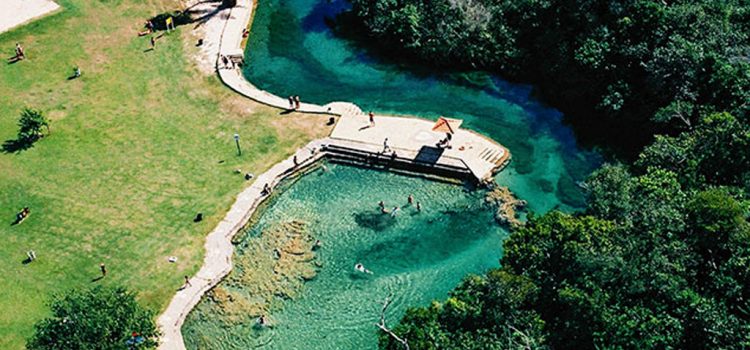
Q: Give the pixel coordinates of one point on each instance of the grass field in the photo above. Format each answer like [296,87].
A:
[139,144]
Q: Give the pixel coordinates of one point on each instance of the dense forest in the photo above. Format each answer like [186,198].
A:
[660,258]
[623,69]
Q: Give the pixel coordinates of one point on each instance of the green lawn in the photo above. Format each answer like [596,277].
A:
[140,144]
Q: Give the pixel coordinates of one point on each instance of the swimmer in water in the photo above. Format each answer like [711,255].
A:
[381,204]
[317,245]
[262,320]
[419,207]
[361,268]
[394,211]
[410,199]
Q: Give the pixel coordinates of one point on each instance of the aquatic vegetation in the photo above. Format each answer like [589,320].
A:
[506,205]
[271,266]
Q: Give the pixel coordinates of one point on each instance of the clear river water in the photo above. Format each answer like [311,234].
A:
[418,257]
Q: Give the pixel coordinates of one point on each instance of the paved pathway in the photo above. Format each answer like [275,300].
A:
[407,136]
[14,13]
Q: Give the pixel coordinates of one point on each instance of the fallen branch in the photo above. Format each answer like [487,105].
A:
[384,328]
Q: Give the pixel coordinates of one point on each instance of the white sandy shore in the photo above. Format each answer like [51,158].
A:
[16,12]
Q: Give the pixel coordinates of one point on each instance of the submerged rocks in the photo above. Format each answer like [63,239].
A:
[273,266]
[506,204]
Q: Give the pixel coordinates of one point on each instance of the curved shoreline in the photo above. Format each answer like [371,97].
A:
[346,140]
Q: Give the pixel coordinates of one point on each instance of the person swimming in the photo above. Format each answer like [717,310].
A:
[394,211]
[361,268]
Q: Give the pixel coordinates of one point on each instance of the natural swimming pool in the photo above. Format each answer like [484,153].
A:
[415,255]
[418,257]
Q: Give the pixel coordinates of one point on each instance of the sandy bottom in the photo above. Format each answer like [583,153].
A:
[17,12]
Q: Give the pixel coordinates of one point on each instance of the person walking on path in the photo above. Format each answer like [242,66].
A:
[187,282]
[103,269]
[296,102]
[372,119]
[291,102]
[386,148]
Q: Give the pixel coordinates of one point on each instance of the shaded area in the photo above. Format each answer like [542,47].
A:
[18,145]
[429,155]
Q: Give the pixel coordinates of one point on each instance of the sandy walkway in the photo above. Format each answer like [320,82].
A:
[16,12]
[211,19]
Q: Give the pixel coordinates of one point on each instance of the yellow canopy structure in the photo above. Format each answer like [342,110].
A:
[447,125]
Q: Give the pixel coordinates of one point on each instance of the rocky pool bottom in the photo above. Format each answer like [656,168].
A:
[314,298]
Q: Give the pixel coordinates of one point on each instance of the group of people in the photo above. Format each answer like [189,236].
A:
[396,209]
[294,102]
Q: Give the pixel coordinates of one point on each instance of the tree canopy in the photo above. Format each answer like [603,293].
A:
[98,318]
[623,70]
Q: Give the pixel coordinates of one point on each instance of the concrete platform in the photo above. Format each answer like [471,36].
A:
[413,138]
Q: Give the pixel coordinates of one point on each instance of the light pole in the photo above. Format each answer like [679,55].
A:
[237,141]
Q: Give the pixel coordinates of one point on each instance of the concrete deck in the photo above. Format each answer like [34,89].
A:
[414,138]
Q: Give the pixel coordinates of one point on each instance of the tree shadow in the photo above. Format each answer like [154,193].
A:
[17,145]
[190,15]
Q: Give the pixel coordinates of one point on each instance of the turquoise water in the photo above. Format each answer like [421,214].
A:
[292,52]
[418,257]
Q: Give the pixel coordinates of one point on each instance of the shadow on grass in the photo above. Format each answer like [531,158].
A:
[97,279]
[18,145]
[190,15]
